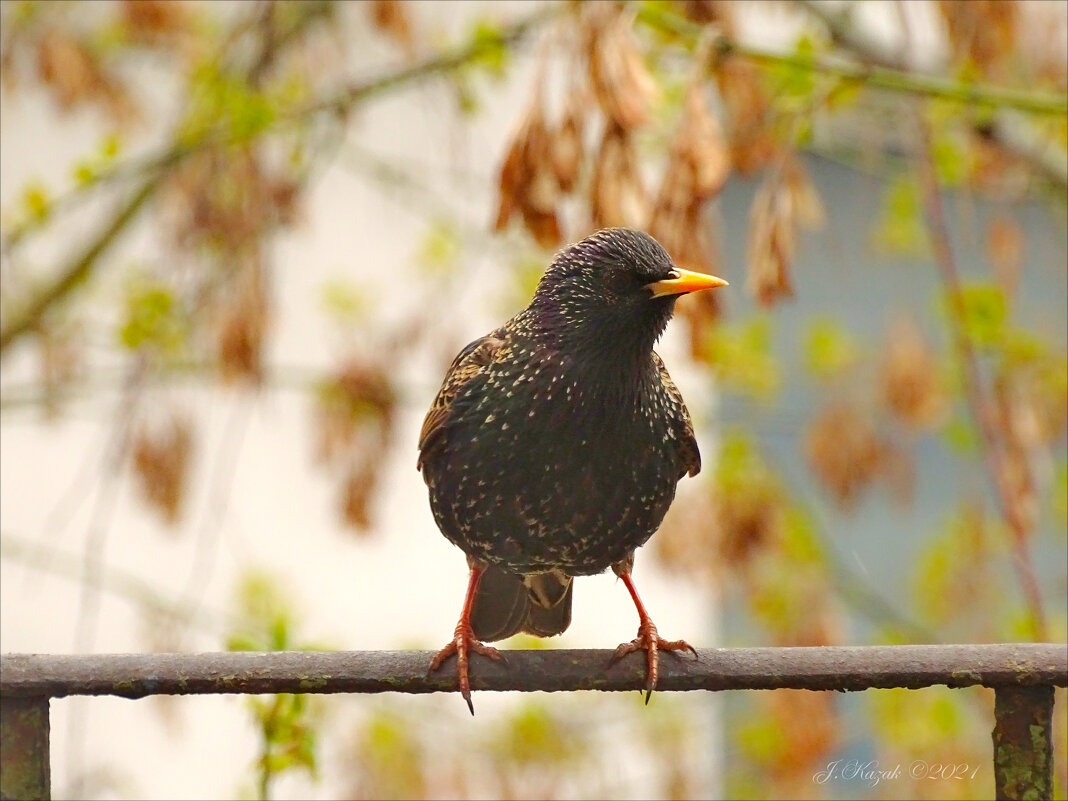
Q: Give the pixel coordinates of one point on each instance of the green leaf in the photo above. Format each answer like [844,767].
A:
[900,228]
[37,201]
[918,720]
[286,721]
[249,113]
[534,735]
[961,435]
[1020,347]
[801,543]
[153,318]
[88,170]
[950,156]
[952,570]
[793,82]
[221,99]
[985,313]
[391,757]
[845,94]
[467,98]
[492,55]
[525,270]
[439,252]
[741,356]
[110,147]
[760,739]
[280,633]
[24,11]
[738,463]
[242,642]
[528,642]
[829,349]
[266,613]
[84,174]
[345,301]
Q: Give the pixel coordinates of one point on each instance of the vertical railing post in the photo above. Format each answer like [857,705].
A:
[1023,747]
[25,771]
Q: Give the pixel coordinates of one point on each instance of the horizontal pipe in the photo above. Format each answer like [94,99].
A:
[816,668]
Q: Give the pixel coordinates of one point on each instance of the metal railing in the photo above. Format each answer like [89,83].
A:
[1022,675]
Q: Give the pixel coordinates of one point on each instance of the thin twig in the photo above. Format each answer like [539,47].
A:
[100,521]
[981,410]
[224,473]
[114,581]
[974,390]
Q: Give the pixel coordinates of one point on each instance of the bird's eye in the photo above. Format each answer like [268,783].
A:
[620,282]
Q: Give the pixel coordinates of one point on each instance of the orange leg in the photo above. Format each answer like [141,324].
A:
[648,639]
[464,640]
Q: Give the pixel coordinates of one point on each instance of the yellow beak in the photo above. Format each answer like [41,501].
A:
[684,281]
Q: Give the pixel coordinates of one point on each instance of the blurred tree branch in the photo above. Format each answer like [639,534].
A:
[112,580]
[27,316]
[1012,132]
[873,74]
[479,47]
[881,72]
[981,409]
[80,267]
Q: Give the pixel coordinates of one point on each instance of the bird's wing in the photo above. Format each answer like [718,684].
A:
[685,441]
[469,362]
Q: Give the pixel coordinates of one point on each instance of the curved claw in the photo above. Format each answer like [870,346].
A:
[652,643]
[463,642]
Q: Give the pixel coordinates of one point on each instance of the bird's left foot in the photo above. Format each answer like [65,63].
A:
[464,641]
[650,641]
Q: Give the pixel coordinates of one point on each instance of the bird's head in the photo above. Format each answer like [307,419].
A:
[614,289]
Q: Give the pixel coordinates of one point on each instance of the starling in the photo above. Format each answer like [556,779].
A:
[554,445]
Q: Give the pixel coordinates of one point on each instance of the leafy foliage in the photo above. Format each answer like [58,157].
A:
[153,318]
[288,723]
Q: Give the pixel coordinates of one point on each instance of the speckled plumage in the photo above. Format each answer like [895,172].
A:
[555,443]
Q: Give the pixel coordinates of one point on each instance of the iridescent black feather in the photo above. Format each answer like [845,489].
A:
[555,443]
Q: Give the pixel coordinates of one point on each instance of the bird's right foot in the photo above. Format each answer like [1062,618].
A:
[652,643]
[464,642]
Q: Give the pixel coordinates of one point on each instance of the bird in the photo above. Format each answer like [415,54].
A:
[554,446]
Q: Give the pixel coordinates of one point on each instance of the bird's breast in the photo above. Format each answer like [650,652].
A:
[545,467]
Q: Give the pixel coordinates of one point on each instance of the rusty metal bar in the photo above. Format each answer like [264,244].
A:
[24,761]
[830,668]
[1023,744]
[1023,676]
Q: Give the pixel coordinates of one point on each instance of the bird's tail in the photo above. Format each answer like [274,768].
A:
[506,604]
